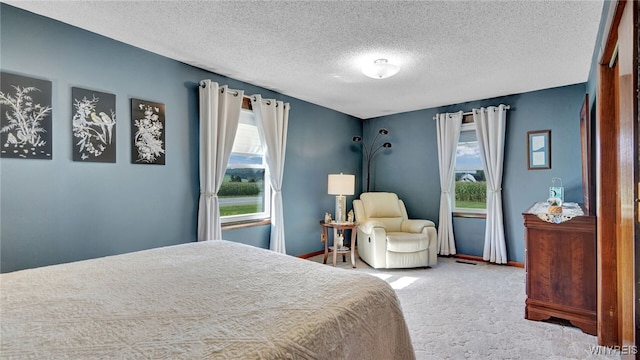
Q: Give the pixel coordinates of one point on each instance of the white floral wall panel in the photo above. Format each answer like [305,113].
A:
[25,117]
[147,132]
[94,126]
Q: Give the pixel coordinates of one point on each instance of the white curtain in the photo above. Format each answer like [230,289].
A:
[272,118]
[448,128]
[490,129]
[219,116]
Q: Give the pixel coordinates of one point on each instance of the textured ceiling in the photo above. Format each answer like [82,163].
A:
[450,51]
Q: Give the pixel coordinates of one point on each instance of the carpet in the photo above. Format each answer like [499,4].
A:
[459,310]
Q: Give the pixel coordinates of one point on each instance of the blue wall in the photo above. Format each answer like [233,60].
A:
[410,167]
[55,211]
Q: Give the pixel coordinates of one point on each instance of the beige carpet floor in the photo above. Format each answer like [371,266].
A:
[462,311]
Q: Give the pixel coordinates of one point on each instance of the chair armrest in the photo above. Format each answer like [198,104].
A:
[416,225]
[368,226]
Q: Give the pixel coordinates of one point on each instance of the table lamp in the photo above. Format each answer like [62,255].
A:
[341,185]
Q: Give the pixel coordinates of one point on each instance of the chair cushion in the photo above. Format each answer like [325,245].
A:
[406,242]
[415,225]
[390,224]
[381,205]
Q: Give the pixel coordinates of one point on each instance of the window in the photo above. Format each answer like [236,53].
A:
[245,193]
[470,182]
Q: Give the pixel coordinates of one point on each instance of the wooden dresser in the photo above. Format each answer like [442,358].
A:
[560,268]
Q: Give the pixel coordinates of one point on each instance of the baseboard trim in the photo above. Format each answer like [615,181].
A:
[315,253]
[459,256]
[480,259]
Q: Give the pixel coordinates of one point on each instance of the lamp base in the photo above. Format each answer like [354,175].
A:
[341,208]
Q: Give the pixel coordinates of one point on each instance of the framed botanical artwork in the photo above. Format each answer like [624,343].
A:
[539,149]
[147,132]
[94,125]
[25,117]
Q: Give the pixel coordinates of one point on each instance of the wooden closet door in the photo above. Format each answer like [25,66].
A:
[616,177]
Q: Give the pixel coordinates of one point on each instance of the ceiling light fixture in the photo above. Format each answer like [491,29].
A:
[380,69]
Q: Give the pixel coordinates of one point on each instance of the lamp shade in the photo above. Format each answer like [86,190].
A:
[341,184]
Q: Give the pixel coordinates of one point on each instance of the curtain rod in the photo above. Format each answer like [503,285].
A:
[507,107]
[235,93]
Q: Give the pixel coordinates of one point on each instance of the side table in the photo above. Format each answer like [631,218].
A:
[339,228]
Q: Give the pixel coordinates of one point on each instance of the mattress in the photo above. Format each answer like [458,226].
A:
[213,300]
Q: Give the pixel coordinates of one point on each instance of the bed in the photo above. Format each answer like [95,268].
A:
[213,300]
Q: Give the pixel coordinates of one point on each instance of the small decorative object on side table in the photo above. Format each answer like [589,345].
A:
[350,216]
[338,240]
[327,217]
[338,243]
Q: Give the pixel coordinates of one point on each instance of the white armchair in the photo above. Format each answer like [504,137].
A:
[387,238]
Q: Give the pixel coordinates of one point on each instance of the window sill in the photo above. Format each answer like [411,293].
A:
[469,215]
[245,224]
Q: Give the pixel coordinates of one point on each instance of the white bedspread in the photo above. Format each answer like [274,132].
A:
[213,300]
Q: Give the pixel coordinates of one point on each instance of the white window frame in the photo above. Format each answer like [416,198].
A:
[469,126]
[247,117]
